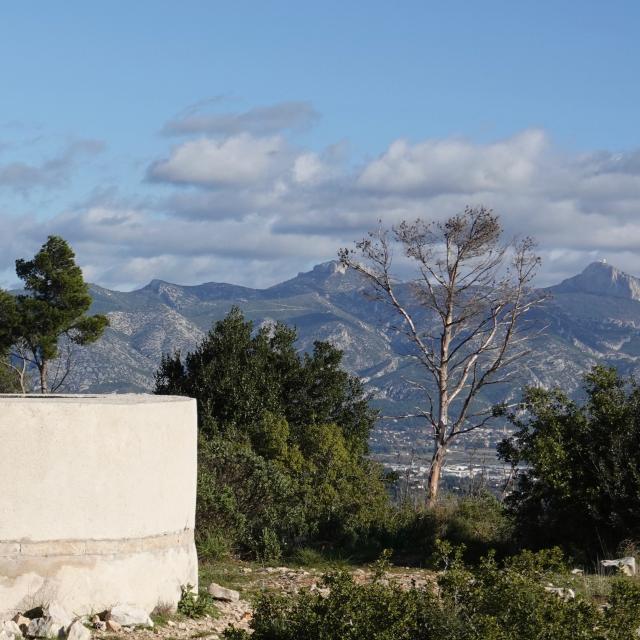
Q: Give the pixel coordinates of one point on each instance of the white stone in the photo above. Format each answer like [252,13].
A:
[626,565]
[52,624]
[11,629]
[56,613]
[128,616]
[220,593]
[45,628]
[77,631]
[21,621]
[113,626]
[561,592]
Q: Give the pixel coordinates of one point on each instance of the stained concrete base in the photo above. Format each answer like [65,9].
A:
[144,573]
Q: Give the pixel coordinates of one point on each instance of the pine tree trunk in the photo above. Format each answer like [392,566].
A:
[43,377]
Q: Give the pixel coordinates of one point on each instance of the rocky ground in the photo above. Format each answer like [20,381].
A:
[248,582]
[232,588]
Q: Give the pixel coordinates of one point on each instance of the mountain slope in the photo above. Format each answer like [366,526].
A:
[591,318]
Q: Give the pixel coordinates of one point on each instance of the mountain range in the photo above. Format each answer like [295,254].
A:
[591,318]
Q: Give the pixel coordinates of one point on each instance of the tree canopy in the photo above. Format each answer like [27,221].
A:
[283,439]
[579,479]
[54,304]
[237,375]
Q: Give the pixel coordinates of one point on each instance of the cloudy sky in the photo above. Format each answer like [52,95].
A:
[246,141]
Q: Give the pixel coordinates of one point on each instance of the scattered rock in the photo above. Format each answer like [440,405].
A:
[21,621]
[51,624]
[56,613]
[626,565]
[45,628]
[113,626]
[77,631]
[127,616]
[220,593]
[10,631]
[171,623]
[98,624]
[577,572]
[561,592]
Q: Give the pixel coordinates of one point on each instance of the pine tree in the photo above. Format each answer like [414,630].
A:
[53,306]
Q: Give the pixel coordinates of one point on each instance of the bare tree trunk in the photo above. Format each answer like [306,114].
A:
[22,373]
[433,483]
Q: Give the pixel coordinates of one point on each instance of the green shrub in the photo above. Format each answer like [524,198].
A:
[213,545]
[622,618]
[490,601]
[578,484]
[350,612]
[480,523]
[196,605]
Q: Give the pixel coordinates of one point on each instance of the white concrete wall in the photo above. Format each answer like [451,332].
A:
[97,500]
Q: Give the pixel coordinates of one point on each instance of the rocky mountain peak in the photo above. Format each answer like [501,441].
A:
[601,278]
[327,276]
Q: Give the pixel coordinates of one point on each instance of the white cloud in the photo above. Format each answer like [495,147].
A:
[253,209]
[456,166]
[240,159]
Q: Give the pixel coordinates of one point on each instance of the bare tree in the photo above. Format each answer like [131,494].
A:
[461,313]
[17,361]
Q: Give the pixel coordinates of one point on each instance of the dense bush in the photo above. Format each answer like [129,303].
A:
[579,479]
[283,442]
[490,602]
[479,523]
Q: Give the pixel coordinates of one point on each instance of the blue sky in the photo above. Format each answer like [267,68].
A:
[245,141]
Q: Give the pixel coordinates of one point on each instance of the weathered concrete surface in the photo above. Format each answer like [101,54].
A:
[97,500]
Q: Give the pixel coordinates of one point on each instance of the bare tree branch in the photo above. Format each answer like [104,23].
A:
[474,289]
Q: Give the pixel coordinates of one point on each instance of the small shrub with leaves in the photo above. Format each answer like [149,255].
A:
[196,605]
[489,601]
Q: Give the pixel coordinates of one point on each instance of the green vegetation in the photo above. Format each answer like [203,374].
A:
[283,443]
[9,379]
[284,475]
[580,488]
[54,305]
[283,470]
[491,601]
[196,605]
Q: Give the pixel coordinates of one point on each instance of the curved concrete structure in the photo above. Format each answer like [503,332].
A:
[97,501]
